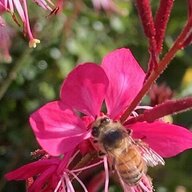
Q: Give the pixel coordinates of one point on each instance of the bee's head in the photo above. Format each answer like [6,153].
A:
[113,139]
[99,125]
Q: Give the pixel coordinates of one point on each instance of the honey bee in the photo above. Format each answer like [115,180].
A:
[130,157]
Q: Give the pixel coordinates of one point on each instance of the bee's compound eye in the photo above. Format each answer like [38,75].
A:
[105,120]
[95,132]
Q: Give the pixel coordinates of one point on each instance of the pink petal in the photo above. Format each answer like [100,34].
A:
[166,139]
[19,9]
[5,38]
[85,88]
[31,169]
[42,180]
[125,80]
[57,129]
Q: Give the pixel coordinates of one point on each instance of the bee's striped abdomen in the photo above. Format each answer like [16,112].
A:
[130,166]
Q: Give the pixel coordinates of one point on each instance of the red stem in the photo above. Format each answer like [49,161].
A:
[161,20]
[169,107]
[145,13]
[189,8]
[189,38]
[144,10]
[161,67]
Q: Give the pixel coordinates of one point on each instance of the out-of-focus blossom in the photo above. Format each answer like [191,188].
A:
[45,4]
[20,6]
[59,129]
[107,5]
[180,189]
[5,39]
[159,94]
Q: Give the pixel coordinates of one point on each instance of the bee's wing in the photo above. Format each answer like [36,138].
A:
[149,155]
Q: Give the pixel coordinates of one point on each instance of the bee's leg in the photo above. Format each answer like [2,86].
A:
[113,166]
[101,154]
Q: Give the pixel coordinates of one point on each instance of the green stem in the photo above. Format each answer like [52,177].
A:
[13,72]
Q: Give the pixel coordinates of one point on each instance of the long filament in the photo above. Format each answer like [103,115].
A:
[87,167]
[106,173]
[80,182]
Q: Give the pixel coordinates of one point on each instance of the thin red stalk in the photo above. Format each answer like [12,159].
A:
[144,10]
[161,20]
[145,13]
[188,34]
[189,38]
[155,74]
[189,8]
[167,108]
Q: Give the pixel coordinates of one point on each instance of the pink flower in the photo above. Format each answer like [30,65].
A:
[21,7]
[58,127]
[5,39]
[64,125]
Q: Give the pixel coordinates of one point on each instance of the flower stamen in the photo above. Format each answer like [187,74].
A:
[33,43]
[87,167]
[59,184]
[80,182]
[106,173]
[69,185]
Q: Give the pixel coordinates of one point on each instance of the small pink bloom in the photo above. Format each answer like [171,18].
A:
[107,5]
[21,7]
[5,39]
[159,94]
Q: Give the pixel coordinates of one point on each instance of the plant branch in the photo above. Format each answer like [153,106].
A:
[167,108]
[160,68]
[145,14]
[161,20]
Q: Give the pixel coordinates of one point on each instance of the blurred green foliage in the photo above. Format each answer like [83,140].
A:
[75,36]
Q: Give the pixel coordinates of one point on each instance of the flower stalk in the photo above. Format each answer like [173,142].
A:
[162,65]
[161,20]
[145,13]
[167,108]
